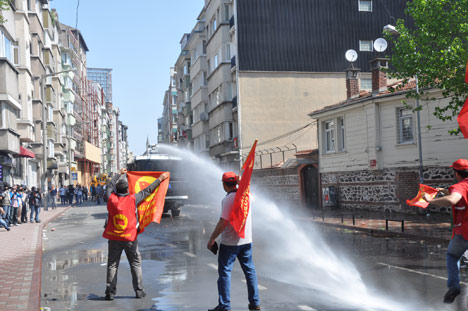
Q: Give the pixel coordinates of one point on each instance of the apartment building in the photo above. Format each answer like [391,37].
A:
[268,63]
[49,124]
[184,93]
[196,44]
[170,113]
[123,145]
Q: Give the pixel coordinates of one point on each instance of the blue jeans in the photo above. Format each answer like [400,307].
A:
[6,216]
[35,210]
[457,246]
[4,224]
[227,257]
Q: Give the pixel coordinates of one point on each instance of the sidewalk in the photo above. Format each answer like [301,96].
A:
[432,227]
[21,263]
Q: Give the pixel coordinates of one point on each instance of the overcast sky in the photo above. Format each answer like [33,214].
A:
[139,40]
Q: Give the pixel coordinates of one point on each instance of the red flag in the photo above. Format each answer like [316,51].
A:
[418,200]
[151,209]
[463,115]
[241,206]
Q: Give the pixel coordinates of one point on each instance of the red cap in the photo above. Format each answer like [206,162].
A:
[230,177]
[460,165]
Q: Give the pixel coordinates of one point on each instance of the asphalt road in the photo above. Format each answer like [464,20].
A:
[299,268]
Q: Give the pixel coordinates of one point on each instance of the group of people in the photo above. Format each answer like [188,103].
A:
[78,194]
[15,203]
[122,230]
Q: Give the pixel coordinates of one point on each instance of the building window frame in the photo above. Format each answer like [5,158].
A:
[365,5]
[341,133]
[366,84]
[329,136]
[405,126]
[366,45]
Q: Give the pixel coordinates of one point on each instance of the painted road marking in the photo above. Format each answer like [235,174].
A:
[304,307]
[212,265]
[171,245]
[260,287]
[190,254]
[418,272]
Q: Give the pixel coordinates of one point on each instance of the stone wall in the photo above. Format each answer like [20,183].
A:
[282,185]
[385,190]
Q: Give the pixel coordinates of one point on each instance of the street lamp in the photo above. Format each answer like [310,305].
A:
[44,125]
[393,31]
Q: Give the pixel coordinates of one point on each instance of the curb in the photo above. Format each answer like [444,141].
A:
[385,233]
[37,275]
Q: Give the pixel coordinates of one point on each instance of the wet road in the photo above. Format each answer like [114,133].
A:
[180,274]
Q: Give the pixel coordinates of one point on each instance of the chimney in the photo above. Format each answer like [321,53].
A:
[379,77]
[352,83]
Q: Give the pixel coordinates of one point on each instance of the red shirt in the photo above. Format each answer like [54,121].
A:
[459,210]
[121,224]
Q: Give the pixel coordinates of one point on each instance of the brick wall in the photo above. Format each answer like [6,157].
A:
[386,189]
[282,185]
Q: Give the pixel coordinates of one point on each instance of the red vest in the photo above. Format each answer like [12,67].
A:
[459,210]
[121,223]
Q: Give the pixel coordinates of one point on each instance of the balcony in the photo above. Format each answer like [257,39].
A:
[9,141]
[8,82]
[26,130]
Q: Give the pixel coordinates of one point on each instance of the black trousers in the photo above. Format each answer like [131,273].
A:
[113,260]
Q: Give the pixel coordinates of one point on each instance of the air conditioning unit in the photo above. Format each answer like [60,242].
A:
[204,116]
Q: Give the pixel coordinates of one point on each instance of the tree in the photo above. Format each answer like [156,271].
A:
[4,5]
[434,46]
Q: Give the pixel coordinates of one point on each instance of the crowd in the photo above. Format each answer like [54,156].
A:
[14,204]
[18,204]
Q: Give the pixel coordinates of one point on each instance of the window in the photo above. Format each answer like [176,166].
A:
[216,63]
[6,48]
[205,82]
[365,5]
[16,58]
[366,84]
[213,26]
[341,134]
[365,45]
[204,47]
[405,126]
[329,136]
[226,13]
[228,52]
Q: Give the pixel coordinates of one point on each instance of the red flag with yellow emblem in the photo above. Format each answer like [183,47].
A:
[241,206]
[151,209]
[418,200]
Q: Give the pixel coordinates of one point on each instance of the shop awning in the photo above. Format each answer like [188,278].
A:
[26,153]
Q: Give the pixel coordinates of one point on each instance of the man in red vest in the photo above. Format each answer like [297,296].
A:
[457,196]
[122,229]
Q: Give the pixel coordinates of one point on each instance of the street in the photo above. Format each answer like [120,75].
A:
[180,273]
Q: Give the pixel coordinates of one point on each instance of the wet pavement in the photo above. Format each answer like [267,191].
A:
[180,274]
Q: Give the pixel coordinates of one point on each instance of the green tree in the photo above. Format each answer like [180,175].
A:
[434,46]
[4,5]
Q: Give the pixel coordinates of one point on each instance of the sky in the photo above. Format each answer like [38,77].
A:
[139,41]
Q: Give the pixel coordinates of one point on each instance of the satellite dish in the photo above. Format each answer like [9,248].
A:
[204,116]
[351,55]
[380,45]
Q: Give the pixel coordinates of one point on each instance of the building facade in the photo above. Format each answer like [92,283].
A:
[368,146]
[270,62]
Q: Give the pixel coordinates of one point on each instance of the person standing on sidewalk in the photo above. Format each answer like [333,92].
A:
[456,196]
[232,247]
[53,197]
[35,202]
[15,201]
[24,207]
[119,204]
[6,205]
[2,212]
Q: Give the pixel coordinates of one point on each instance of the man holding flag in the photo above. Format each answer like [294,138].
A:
[235,228]
[457,196]
[122,228]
